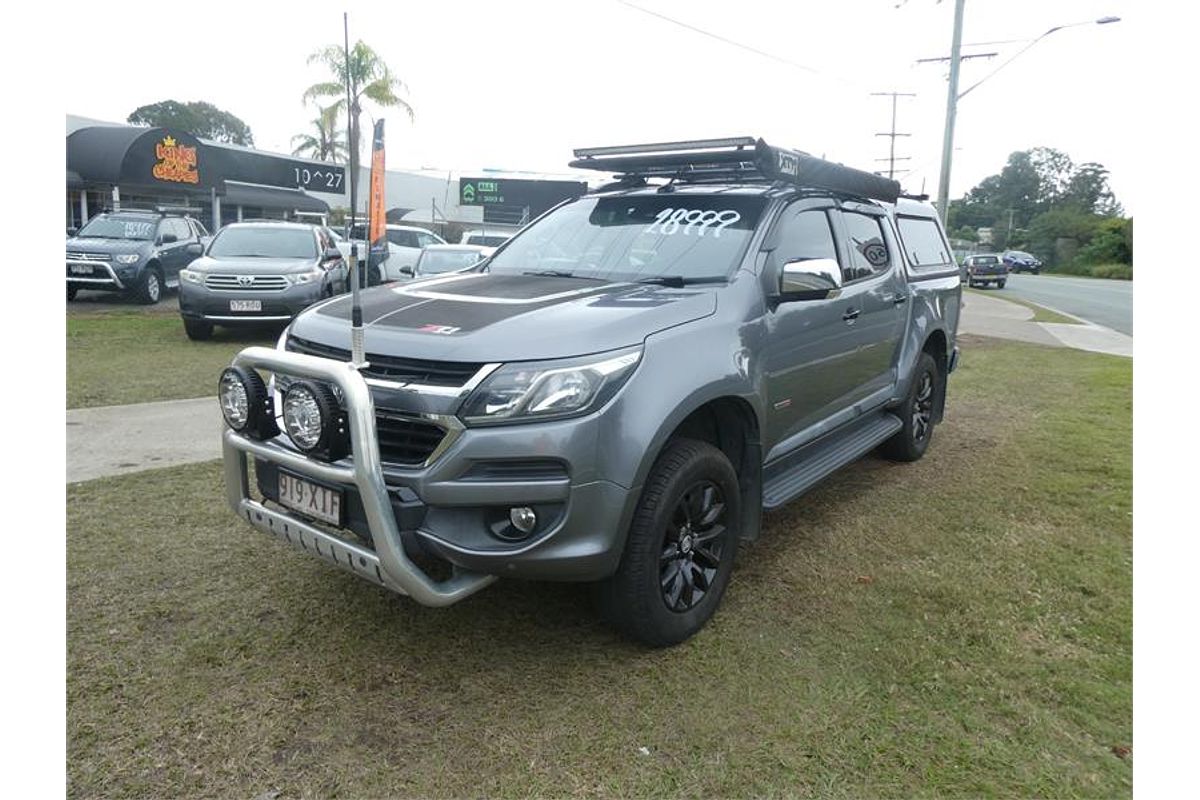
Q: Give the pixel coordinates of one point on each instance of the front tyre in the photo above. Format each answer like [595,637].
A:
[197,330]
[149,289]
[71,292]
[680,550]
[917,412]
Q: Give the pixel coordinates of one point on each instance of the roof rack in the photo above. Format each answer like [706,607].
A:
[153,210]
[737,159]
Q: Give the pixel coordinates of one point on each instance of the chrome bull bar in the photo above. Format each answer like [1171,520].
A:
[388,566]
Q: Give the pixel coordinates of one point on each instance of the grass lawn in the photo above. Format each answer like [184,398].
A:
[956,627]
[136,356]
[1040,313]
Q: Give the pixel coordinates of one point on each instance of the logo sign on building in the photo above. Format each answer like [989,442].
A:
[176,162]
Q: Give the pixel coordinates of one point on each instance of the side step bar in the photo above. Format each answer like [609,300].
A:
[798,472]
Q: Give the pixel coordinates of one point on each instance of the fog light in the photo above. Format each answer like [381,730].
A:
[522,518]
[245,403]
[313,420]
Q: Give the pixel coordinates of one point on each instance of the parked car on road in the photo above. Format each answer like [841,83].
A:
[1020,261]
[985,269]
[438,258]
[136,252]
[256,272]
[491,239]
[616,394]
[405,243]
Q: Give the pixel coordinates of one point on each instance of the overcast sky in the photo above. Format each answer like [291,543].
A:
[517,85]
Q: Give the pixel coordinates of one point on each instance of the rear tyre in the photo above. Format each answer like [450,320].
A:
[197,329]
[917,412]
[71,291]
[680,550]
[148,290]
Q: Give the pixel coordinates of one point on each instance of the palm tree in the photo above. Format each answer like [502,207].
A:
[329,143]
[369,78]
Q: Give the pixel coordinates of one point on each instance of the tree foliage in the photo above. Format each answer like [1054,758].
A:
[201,119]
[327,142]
[1043,202]
[369,77]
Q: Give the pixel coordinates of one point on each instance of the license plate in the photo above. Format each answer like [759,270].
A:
[79,269]
[245,305]
[310,498]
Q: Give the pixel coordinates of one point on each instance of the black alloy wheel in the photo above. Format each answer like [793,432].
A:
[693,542]
[922,408]
[681,546]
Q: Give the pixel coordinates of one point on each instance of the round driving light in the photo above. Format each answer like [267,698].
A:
[235,402]
[314,421]
[522,518]
[245,403]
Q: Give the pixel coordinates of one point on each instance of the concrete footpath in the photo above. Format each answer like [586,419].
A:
[991,316]
[115,440]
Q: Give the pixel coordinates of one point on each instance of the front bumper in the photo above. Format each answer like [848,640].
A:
[447,508]
[100,275]
[197,301]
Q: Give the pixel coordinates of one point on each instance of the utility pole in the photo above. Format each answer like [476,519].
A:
[943,203]
[891,159]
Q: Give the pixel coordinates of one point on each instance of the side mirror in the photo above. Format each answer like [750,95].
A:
[406,270]
[168,238]
[195,248]
[331,254]
[810,279]
[72,231]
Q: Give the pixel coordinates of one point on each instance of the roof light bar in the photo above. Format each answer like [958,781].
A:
[665,147]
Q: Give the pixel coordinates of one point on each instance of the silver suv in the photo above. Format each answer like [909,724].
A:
[616,394]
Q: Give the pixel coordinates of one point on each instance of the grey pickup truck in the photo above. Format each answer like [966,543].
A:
[613,396]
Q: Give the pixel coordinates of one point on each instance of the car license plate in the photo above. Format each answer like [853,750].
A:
[310,498]
[80,269]
[245,305]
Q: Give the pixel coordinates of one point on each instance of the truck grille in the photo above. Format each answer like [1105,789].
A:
[392,368]
[88,256]
[405,440]
[262,283]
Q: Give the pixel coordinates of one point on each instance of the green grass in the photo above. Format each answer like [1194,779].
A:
[130,356]
[1040,313]
[958,627]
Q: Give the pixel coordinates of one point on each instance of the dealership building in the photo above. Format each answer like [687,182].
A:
[112,166]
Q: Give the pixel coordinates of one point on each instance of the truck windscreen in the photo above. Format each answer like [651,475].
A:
[695,237]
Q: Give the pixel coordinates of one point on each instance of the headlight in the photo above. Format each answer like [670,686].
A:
[314,421]
[190,276]
[245,403]
[549,389]
[132,258]
[306,277]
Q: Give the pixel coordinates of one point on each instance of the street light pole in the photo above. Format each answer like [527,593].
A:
[953,95]
[943,201]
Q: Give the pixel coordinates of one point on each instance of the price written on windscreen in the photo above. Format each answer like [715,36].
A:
[671,221]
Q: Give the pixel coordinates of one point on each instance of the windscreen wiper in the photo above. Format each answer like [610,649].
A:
[558,273]
[678,281]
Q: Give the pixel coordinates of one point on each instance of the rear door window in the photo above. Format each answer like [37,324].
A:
[869,255]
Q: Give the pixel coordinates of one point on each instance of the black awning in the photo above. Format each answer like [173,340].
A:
[74,181]
[243,194]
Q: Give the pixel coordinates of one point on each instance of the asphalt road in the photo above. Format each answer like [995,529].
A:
[1104,302]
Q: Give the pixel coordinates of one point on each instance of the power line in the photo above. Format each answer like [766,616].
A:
[731,42]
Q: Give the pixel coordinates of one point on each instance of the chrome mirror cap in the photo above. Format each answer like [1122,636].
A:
[810,279]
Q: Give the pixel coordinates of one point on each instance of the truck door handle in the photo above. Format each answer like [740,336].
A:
[899,299]
[850,315]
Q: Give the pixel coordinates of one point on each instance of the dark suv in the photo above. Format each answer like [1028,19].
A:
[138,253]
